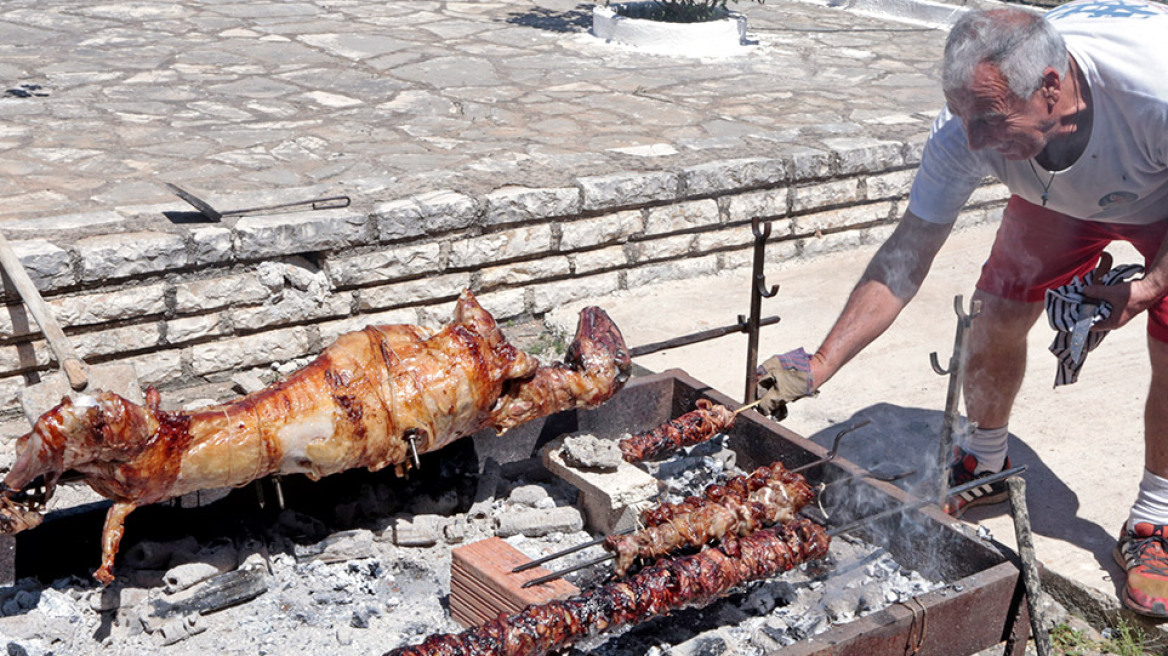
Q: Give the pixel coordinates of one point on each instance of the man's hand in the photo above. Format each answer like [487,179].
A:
[781,379]
[1127,300]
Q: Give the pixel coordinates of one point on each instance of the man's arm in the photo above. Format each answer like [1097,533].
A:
[890,281]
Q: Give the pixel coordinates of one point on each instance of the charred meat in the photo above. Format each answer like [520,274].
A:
[691,428]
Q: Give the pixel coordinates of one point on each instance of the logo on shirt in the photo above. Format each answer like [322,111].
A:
[1117,198]
[1105,9]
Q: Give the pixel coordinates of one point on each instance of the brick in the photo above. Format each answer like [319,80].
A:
[293,307]
[627,189]
[525,272]
[385,265]
[604,258]
[210,245]
[656,249]
[674,270]
[188,329]
[221,292]
[552,295]
[412,291]
[249,351]
[808,163]
[505,304]
[302,232]
[864,155]
[431,213]
[843,217]
[728,176]
[605,229]
[48,265]
[483,583]
[825,194]
[516,204]
[682,216]
[110,257]
[766,204]
[118,340]
[500,246]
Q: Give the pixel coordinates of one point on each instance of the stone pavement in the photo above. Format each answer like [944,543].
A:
[102,102]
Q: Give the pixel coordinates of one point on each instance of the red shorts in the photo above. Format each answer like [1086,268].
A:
[1038,249]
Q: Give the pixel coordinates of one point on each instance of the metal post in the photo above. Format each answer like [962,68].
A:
[758,291]
[956,373]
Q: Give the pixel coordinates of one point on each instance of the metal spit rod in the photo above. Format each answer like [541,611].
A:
[956,373]
[758,291]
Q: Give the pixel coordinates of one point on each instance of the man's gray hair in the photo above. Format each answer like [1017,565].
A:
[1020,43]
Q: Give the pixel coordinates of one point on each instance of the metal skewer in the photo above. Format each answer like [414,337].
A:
[987,480]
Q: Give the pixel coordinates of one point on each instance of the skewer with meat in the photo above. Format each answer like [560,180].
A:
[769,495]
[665,586]
[361,403]
[693,427]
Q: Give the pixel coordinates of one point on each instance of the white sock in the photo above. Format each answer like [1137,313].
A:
[989,447]
[1151,504]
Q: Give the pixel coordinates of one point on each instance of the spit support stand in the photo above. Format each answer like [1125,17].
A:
[758,291]
[1039,627]
[956,373]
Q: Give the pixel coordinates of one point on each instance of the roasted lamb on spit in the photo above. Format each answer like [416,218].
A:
[768,495]
[359,404]
[691,428]
[667,585]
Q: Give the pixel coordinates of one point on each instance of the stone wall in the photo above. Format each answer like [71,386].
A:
[189,305]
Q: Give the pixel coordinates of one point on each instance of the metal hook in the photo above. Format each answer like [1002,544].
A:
[764,233]
[760,283]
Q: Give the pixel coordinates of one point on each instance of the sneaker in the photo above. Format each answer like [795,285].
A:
[961,471]
[1143,552]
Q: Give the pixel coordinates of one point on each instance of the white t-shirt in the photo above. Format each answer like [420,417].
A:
[1122,176]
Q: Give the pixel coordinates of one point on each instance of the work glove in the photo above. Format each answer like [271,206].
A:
[781,379]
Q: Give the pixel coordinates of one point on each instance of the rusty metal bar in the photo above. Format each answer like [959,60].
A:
[758,291]
[702,336]
[956,373]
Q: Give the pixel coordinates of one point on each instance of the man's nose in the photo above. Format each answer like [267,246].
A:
[978,137]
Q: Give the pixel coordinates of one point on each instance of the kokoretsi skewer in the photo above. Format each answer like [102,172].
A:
[691,428]
[768,495]
[667,585]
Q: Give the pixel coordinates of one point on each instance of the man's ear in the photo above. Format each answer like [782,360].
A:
[1051,88]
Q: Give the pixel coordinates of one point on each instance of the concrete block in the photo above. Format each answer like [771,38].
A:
[48,265]
[606,258]
[603,491]
[618,226]
[536,523]
[763,204]
[843,217]
[865,155]
[682,216]
[627,189]
[552,295]
[219,292]
[412,291]
[517,204]
[123,255]
[659,249]
[303,232]
[808,163]
[504,304]
[836,192]
[118,340]
[189,329]
[210,245]
[431,213]
[673,270]
[521,273]
[890,185]
[249,351]
[385,265]
[499,246]
[733,175]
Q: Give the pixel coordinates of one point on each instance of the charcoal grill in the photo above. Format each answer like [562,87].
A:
[982,603]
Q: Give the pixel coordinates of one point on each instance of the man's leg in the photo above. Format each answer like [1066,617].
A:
[1143,545]
[997,358]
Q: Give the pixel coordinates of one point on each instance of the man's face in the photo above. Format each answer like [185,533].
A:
[994,117]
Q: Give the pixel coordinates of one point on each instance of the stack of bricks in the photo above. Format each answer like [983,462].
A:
[482,584]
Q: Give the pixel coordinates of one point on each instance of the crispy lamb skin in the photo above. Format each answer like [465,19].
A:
[357,405]
[667,585]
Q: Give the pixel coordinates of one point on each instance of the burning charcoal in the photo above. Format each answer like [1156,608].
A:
[703,645]
[586,451]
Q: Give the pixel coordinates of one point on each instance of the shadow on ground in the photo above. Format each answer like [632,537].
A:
[898,438]
[573,20]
